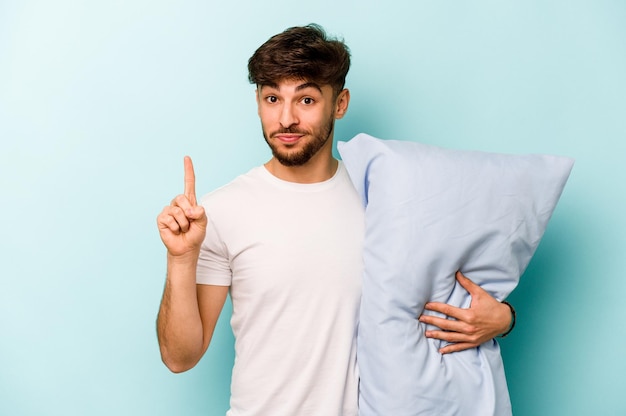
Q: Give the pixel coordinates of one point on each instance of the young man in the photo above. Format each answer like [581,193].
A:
[285,239]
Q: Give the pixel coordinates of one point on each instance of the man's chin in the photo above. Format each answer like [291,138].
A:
[291,160]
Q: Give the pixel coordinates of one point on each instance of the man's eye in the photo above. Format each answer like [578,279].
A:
[307,100]
[271,99]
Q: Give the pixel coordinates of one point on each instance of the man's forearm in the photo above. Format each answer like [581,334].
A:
[179,326]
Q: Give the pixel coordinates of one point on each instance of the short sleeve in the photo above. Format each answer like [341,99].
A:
[214,262]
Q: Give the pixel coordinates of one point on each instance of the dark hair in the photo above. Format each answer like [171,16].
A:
[302,52]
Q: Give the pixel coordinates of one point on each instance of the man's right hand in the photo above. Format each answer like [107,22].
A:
[182,224]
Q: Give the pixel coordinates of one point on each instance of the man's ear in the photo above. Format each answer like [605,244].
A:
[341,106]
[258,101]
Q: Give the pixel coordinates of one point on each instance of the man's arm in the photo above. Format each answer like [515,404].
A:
[485,319]
[188,312]
[187,317]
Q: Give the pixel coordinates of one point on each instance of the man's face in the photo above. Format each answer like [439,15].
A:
[298,118]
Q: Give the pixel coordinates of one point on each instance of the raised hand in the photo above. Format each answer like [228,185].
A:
[182,224]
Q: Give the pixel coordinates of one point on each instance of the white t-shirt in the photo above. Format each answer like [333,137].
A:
[292,254]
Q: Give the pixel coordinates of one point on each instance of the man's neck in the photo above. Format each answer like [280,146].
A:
[313,171]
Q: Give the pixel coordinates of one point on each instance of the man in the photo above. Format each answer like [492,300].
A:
[285,239]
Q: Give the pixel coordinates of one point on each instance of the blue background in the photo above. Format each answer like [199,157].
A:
[100,101]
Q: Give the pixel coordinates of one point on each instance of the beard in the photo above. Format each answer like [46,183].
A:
[299,157]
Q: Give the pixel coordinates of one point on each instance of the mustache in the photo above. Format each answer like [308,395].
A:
[288,130]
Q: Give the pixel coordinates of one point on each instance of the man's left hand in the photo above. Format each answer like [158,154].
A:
[485,319]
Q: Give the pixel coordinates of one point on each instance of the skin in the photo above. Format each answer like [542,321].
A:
[295,115]
[482,321]
[188,312]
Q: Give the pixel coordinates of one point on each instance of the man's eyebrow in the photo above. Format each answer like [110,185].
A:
[309,85]
[298,88]
[269,85]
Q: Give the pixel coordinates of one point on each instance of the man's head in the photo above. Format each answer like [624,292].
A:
[301,53]
[300,74]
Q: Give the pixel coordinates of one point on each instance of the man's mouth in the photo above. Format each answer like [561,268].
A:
[288,138]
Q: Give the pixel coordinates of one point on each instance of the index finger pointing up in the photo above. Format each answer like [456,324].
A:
[190,181]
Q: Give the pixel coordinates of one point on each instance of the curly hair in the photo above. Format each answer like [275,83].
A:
[301,52]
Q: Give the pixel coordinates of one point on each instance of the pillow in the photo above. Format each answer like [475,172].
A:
[429,212]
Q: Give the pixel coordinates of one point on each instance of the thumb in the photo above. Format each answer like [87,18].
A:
[467,284]
[196,213]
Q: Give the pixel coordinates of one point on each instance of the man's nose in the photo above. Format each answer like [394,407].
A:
[288,116]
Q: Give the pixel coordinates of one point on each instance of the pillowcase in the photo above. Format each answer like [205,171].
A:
[429,212]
